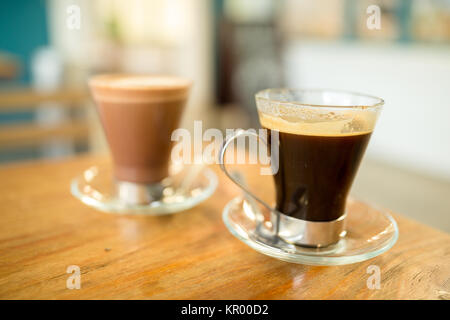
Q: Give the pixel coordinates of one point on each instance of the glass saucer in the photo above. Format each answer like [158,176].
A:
[370,232]
[186,187]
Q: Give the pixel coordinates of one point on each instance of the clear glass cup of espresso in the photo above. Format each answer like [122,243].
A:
[321,138]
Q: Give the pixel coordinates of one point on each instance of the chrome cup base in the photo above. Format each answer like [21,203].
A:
[137,193]
[314,234]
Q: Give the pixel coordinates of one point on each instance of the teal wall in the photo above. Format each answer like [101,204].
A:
[23,28]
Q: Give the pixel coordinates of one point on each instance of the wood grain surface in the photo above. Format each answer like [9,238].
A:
[13,136]
[27,98]
[189,255]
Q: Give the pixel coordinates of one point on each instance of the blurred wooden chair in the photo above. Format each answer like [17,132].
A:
[74,130]
[9,66]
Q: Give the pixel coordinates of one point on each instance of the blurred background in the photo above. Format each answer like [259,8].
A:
[231,49]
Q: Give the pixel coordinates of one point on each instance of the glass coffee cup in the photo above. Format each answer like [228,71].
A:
[139,114]
[321,138]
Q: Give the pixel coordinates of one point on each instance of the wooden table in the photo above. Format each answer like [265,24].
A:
[189,255]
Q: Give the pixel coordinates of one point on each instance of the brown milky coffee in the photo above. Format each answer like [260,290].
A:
[139,114]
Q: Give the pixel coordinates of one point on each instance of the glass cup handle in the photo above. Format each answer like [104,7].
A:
[237,134]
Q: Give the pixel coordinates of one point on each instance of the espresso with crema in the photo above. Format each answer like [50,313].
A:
[317,165]
[139,114]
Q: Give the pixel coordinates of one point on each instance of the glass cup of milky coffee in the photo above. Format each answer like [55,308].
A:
[139,113]
[321,137]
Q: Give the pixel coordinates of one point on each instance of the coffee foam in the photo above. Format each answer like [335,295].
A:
[345,124]
[126,88]
[140,82]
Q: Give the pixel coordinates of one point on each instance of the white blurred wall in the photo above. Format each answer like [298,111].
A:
[414,129]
